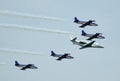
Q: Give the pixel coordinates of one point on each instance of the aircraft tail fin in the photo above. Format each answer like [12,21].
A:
[72,38]
[83,32]
[52,53]
[16,63]
[75,19]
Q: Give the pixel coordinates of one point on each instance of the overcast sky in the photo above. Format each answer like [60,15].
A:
[89,64]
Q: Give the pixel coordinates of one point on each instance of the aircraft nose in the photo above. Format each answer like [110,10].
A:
[101,46]
[71,57]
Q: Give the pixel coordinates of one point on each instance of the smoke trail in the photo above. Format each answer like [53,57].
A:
[25,15]
[28,28]
[2,63]
[19,51]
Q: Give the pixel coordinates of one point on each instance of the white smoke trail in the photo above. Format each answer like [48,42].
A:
[26,15]
[19,51]
[28,28]
[2,63]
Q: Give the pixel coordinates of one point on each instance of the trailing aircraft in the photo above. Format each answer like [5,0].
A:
[85,44]
[92,36]
[85,23]
[61,56]
[25,66]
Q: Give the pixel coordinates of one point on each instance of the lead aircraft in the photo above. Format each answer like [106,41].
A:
[25,66]
[85,23]
[85,44]
[92,36]
[61,56]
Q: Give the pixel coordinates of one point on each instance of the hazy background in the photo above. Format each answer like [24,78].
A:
[88,64]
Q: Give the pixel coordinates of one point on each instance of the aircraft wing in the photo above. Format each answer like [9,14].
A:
[83,25]
[94,36]
[87,23]
[90,38]
[27,66]
[88,45]
[63,56]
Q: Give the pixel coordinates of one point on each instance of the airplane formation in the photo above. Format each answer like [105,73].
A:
[88,43]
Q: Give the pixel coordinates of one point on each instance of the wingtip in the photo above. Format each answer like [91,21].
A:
[58,59]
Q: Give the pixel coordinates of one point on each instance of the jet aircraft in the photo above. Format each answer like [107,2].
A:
[25,66]
[85,44]
[61,56]
[85,23]
[92,36]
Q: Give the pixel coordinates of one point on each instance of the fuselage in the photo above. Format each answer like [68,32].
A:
[60,55]
[24,65]
[83,22]
[90,35]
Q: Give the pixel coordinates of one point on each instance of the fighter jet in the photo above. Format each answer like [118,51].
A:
[61,56]
[92,36]
[85,44]
[85,23]
[25,66]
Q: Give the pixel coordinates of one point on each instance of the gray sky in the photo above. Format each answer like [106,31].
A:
[87,65]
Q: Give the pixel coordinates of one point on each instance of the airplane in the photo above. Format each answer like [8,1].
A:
[61,56]
[92,36]
[85,44]
[85,23]
[25,66]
